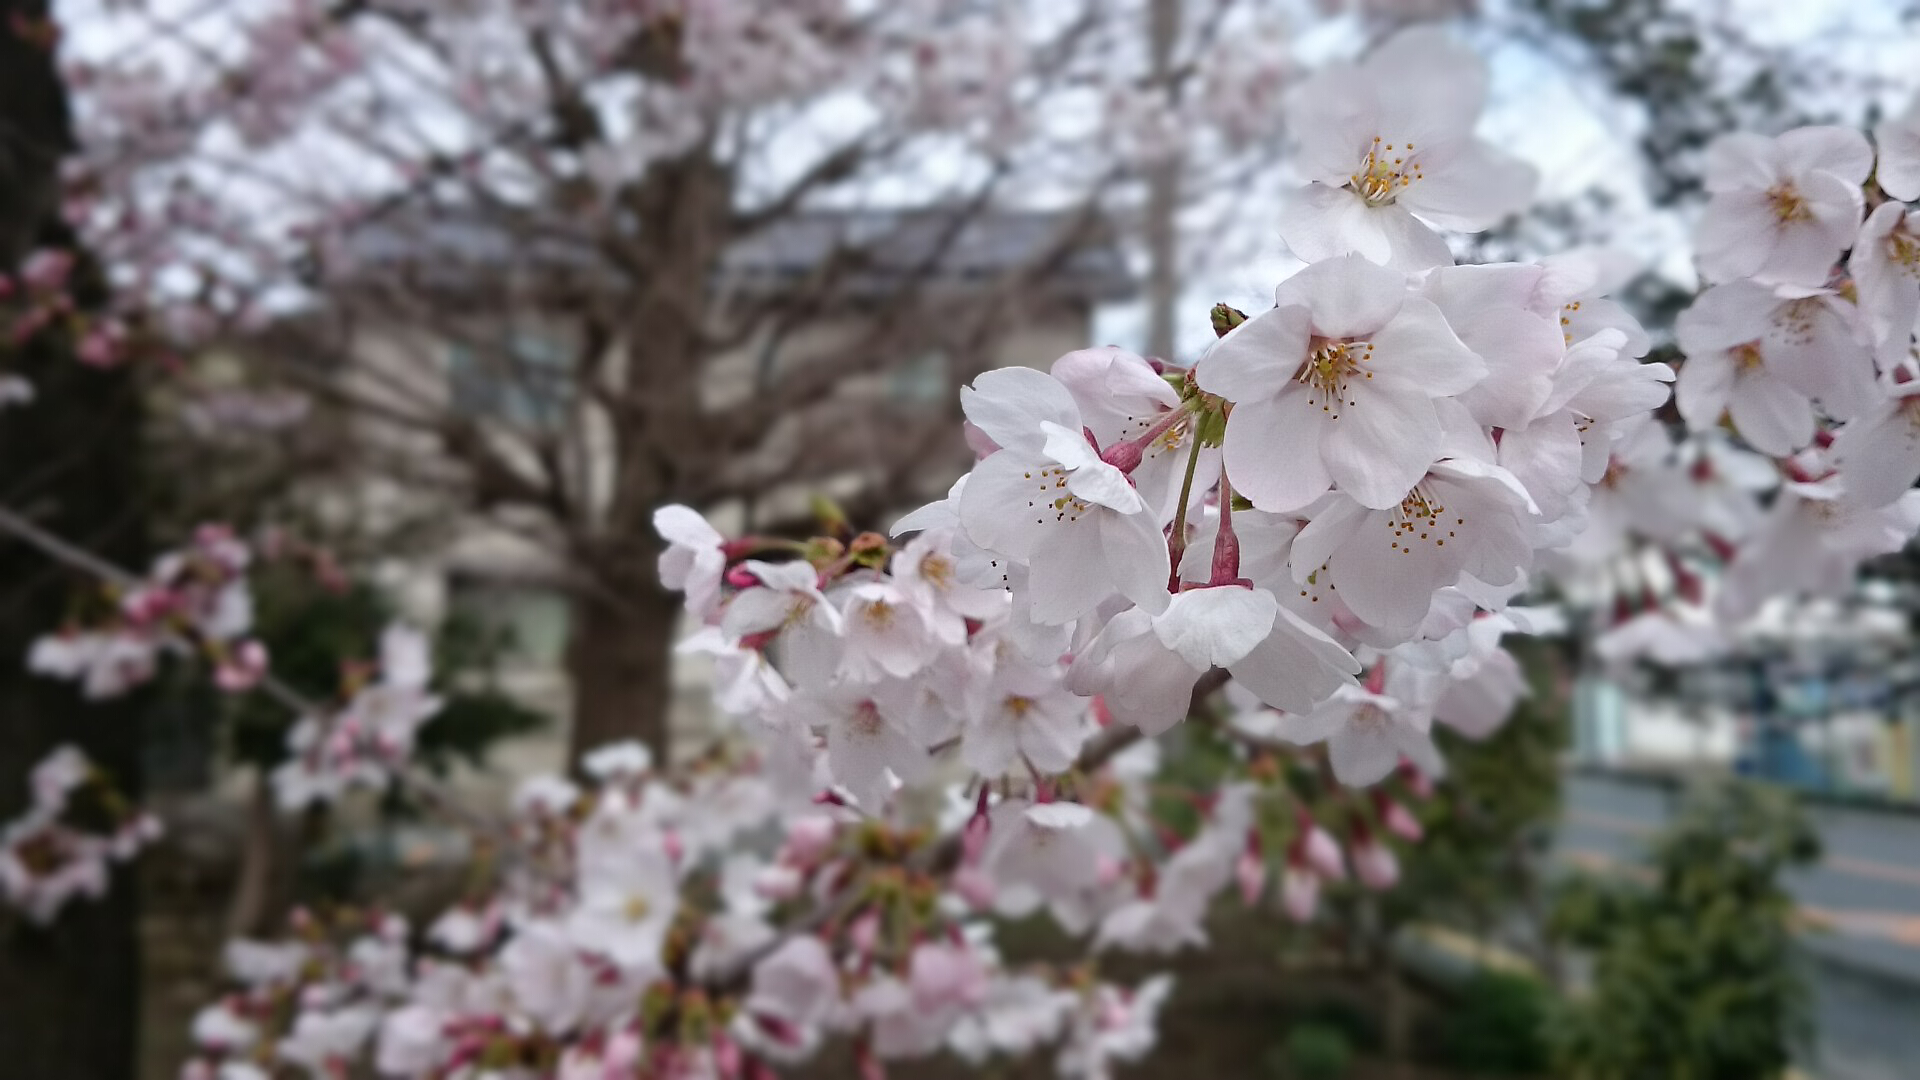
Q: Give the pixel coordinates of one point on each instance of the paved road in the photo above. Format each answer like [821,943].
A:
[1863,900]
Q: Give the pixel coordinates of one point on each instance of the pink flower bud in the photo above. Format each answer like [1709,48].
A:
[1125,456]
[1418,782]
[808,839]
[1321,852]
[622,1053]
[1299,893]
[242,668]
[974,837]
[741,578]
[1251,872]
[1375,864]
[1396,818]
[973,885]
[865,932]
[777,883]
[726,1058]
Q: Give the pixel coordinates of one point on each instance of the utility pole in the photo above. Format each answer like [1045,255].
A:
[1163,193]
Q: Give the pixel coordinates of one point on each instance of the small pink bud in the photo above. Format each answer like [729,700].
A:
[243,668]
[865,932]
[777,883]
[974,886]
[742,578]
[1396,818]
[1250,870]
[726,1058]
[1320,851]
[1419,784]
[974,837]
[808,838]
[1375,864]
[1299,893]
[1125,456]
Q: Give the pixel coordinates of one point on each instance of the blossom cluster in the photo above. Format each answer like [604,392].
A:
[61,846]
[1325,520]
[949,727]
[1798,390]
[636,932]
[368,739]
[194,600]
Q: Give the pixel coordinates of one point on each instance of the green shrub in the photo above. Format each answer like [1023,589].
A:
[1496,1028]
[1316,1052]
[1693,974]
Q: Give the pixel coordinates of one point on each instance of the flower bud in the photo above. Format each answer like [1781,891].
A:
[1250,870]
[808,839]
[1299,893]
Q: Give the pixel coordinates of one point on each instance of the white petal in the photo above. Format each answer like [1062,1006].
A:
[1136,558]
[1770,414]
[1842,151]
[1899,167]
[1348,296]
[1418,349]
[1381,446]
[1009,404]
[1474,190]
[1070,576]
[1258,358]
[1879,456]
[1272,452]
[683,525]
[1215,627]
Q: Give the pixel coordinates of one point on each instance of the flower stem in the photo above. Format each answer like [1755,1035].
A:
[1177,539]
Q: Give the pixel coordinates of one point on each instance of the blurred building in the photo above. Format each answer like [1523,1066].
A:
[1821,695]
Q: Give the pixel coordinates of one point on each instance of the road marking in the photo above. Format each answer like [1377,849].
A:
[1846,864]
[1899,927]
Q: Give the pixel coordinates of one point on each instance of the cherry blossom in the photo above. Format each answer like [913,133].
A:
[1366,734]
[1783,209]
[1049,499]
[1335,386]
[1389,145]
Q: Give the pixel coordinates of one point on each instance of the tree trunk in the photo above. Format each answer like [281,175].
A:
[69,992]
[620,657]
[620,661]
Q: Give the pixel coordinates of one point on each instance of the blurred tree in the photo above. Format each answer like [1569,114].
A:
[1693,974]
[308,624]
[69,993]
[1488,826]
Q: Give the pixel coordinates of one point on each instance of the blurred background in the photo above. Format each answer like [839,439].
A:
[454,363]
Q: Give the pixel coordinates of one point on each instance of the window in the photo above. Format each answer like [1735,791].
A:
[526,384]
[927,379]
[529,623]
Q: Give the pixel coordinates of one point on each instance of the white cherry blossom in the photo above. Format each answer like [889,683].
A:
[1336,386]
[1047,499]
[1783,209]
[1389,145]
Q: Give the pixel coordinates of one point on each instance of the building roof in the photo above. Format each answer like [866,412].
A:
[882,249]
